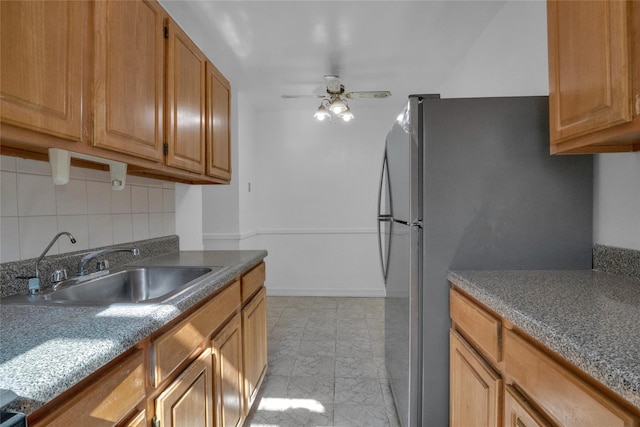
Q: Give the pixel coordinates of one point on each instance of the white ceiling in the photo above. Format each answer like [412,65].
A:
[270,48]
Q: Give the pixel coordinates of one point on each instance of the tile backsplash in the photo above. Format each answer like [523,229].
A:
[33,209]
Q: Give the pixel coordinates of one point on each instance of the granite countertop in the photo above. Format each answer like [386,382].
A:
[45,350]
[590,318]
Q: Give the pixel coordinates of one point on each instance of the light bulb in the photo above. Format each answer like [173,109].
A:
[322,113]
[347,115]
[338,106]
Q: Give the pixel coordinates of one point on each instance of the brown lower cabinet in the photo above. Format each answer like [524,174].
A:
[188,401]
[227,355]
[501,376]
[204,369]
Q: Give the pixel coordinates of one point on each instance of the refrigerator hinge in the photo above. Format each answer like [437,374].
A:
[417,223]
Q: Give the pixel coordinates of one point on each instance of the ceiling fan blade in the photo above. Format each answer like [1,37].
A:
[302,96]
[333,84]
[368,94]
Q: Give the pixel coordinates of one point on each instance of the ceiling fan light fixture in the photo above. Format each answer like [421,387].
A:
[322,113]
[346,115]
[338,106]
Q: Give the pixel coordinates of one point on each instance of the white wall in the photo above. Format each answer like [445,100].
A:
[316,191]
[189,216]
[312,202]
[220,203]
[616,214]
[508,59]
[33,209]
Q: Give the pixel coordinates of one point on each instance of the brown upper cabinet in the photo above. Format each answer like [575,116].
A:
[129,77]
[218,115]
[43,70]
[128,85]
[594,76]
[185,101]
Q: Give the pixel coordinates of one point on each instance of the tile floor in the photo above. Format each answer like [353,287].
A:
[326,364]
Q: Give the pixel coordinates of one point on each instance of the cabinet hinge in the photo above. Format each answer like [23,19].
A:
[155,422]
[166,32]
[165,149]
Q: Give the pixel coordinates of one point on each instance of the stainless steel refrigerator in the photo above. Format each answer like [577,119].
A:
[467,184]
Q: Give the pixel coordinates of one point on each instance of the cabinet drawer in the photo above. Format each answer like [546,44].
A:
[519,413]
[108,400]
[476,325]
[174,347]
[252,281]
[567,399]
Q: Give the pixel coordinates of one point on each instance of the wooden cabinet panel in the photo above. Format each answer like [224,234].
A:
[129,77]
[478,326]
[253,281]
[254,330]
[174,347]
[109,399]
[185,101]
[519,413]
[565,398]
[42,66]
[594,75]
[218,129]
[139,420]
[227,353]
[590,78]
[475,387]
[188,401]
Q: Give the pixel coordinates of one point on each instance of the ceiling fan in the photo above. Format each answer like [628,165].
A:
[335,100]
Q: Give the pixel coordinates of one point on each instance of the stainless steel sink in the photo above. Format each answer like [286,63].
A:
[128,285]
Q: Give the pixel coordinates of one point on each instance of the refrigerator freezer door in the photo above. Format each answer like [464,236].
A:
[402,322]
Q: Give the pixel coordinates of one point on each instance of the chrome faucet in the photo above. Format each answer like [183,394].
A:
[82,266]
[34,282]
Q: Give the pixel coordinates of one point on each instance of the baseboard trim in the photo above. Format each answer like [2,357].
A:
[324,292]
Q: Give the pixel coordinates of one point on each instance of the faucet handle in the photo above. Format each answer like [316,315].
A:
[103,265]
[58,276]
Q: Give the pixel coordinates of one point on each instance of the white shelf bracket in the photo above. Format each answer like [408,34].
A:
[60,161]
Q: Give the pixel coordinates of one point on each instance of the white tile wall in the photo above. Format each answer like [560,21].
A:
[33,209]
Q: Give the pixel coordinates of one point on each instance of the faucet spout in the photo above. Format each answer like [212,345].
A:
[71,238]
[82,266]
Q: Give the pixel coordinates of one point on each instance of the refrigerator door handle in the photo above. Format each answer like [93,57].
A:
[384,172]
[384,261]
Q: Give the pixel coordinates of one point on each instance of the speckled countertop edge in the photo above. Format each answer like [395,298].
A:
[589,318]
[45,350]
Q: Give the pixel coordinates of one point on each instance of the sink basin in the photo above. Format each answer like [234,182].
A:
[128,285]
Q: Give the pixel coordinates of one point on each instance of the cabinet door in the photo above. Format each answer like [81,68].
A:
[254,331]
[139,420]
[42,66]
[218,115]
[227,354]
[589,66]
[518,413]
[185,100]
[475,388]
[129,79]
[188,400]
[106,401]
